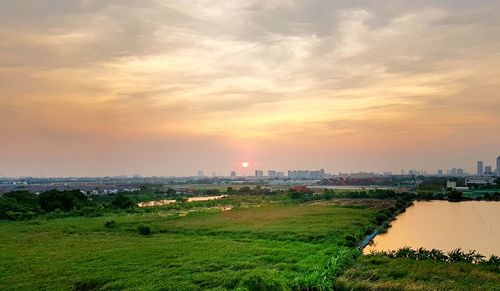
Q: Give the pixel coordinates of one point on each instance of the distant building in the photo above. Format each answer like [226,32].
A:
[460,172]
[233,174]
[201,174]
[344,175]
[453,172]
[280,174]
[479,181]
[259,173]
[480,168]
[488,171]
[362,175]
[451,184]
[271,174]
[402,172]
[317,175]
[440,172]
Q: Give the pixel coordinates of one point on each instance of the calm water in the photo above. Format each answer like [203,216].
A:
[471,225]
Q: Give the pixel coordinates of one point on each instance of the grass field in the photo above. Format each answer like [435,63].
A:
[382,273]
[273,246]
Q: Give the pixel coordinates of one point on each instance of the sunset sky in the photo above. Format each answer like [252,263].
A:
[100,87]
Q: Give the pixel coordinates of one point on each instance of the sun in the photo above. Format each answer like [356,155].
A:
[245,164]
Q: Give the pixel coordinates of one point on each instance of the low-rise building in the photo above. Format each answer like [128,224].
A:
[479,181]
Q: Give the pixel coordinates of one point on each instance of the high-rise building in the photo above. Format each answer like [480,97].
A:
[259,173]
[402,172]
[460,172]
[201,174]
[453,172]
[498,166]
[233,174]
[488,171]
[440,172]
[480,168]
[280,174]
[271,174]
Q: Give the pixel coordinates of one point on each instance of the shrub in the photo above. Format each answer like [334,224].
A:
[89,285]
[144,230]
[110,223]
[350,241]
[259,280]
[123,202]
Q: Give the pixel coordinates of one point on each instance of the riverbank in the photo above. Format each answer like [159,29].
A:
[400,207]
[383,273]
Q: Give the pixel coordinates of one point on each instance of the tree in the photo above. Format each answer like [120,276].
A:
[63,200]
[19,205]
[455,196]
[123,202]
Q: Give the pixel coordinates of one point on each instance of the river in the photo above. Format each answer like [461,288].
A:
[470,225]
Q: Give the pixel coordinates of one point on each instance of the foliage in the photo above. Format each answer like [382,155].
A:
[455,196]
[22,205]
[123,202]
[110,223]
[457,255]
[19,205]
[379,272]
[63,200]
[326,194]
[144,230]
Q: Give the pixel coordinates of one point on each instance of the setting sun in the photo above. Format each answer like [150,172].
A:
[245,164]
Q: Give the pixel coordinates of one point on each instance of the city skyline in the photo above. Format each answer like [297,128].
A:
[247,170]
[163,88]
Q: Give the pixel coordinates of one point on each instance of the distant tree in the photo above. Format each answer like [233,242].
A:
[245,190]
[27,200]
[63,200]
[294,194]
[123,202]
[171,191]
[144,230]
[19,205]
[212,192]
[455,196]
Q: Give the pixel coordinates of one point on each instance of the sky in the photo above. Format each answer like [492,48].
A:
[170,87]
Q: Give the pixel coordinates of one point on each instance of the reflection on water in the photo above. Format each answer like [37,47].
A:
[471,225]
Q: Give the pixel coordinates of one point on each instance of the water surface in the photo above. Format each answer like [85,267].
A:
[471,225]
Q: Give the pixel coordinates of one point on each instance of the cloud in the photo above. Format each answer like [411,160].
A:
[249,73]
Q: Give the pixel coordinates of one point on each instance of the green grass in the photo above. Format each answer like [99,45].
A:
[382,273]
[272,246]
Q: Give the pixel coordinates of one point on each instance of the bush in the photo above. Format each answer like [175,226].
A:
[123,202]
[144,230]
[110,224]
[64,200]
[259,280]
[350,241]
[89,285]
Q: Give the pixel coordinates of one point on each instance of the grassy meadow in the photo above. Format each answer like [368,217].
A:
[273,246]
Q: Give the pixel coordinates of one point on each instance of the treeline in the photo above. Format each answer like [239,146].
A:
[24,205]
[326,194]
[457,255]
[456,196]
